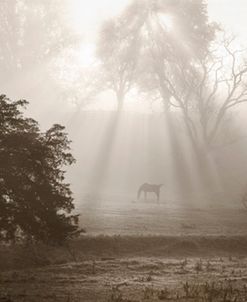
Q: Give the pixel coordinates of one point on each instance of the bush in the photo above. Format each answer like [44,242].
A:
[35,202]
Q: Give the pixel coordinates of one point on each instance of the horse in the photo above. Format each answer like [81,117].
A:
[148,188]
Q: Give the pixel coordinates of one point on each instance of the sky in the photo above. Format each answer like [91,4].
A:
[231,13]
[86,17]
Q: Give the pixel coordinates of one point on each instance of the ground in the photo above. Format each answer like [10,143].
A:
[148,252]
[164,218]
[131,279]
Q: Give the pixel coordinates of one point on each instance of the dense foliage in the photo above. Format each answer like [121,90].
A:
[35,202]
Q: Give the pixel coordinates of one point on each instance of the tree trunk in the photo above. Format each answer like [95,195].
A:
[120,101]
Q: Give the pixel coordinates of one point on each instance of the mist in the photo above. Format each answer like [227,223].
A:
[123,167]
[64,74]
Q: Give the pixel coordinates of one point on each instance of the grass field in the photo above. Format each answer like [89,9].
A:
[147,252]
[166,218]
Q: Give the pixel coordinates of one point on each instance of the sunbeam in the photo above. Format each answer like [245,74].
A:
[123,168]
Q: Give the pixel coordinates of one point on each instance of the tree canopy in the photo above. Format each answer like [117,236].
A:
[169,51]
[148,39]
[35,201]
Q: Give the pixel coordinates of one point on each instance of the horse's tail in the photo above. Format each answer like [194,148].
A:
[139,192]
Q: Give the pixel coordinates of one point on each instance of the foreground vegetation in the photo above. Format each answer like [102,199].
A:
[118,269]
[130,279]
[35,200]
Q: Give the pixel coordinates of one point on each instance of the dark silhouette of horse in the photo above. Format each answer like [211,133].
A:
[148,188]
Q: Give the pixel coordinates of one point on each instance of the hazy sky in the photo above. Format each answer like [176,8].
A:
[87,15]
[231,13]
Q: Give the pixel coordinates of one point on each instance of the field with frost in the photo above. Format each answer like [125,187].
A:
[135,252]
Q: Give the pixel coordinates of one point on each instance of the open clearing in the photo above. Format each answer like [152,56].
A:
[166,218]
[147,253]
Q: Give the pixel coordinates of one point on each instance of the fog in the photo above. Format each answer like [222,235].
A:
[56,55]
[123,150]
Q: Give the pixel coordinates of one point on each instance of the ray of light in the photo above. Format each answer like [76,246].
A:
[99,169]
[166,21]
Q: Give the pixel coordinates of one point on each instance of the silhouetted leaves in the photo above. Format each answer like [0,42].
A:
[34,199]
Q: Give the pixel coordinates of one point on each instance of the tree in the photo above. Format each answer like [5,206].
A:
[194,72]
[35,202]
[118,52]
[226,89]
[184,65]
[204,90]
[145,42]
[34,32]
[176,35]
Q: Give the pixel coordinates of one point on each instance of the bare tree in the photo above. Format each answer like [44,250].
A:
[230,81]
[204,90]
[83,90]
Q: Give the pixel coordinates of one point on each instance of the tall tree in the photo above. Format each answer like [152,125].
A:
[176,35]
[202,90]
[147,40]
[33,33]
[34,199]
[118,52]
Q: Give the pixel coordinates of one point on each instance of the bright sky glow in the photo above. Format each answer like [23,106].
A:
[86,17]
[86,54]
[230,13]
[166,21]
